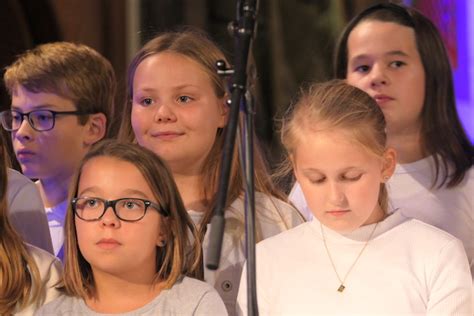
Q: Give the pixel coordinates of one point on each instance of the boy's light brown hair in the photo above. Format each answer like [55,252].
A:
[72,71]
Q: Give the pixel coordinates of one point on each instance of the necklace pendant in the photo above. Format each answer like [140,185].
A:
[341,288]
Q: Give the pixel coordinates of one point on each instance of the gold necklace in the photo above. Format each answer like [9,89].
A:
[342,286]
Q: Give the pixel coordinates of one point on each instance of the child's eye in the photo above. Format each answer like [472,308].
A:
[397,64]
[130,204]
[146,101]
[43,117]
[317,180]
[352,177]
[362,68]
[16,117]
[184,99]
[91,202]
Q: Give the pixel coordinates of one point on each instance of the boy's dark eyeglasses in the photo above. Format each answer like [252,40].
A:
[40,120]
[126,209]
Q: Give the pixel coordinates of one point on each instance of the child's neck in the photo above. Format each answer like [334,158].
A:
[190,189]
[121,295]
[407,144]
[54,190]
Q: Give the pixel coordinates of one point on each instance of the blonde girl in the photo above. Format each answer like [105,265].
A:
[176,107]
[354,257]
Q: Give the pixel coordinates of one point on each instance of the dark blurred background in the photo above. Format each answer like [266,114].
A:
[293,45]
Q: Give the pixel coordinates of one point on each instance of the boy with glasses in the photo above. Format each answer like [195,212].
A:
[62,99]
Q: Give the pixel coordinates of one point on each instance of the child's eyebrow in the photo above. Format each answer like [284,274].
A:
[389,53]
[315,170]
[125,193]
[397,53]
[36,107]
[177,87]
[312,170]
[135,193]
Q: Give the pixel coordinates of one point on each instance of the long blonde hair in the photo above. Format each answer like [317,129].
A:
[336,104]
[20,283]
[181,254]
[197,46]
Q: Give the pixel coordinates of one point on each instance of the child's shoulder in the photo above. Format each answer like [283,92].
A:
[288,239]
[188,296]
[416,226]
[63,305]
[420,236]
[43,258]
[190,286]
[18,182]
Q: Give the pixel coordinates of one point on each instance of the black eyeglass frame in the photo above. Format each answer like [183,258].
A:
[27,114]
[112,203]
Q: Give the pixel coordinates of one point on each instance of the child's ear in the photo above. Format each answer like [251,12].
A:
[163,235]
[96,128]
[224,111]
[161,243]
[389,163]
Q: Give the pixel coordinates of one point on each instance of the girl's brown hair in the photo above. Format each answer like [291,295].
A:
[335,104]
[443,136]
[20,282]
[198,47]
[181,254]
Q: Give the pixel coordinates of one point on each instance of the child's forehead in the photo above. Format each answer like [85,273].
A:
[375,35]
[327,135]
[22,96]
[41,91]
[330,138]
[112,170]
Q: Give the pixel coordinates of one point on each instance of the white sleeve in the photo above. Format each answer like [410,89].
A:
[450,282]
[26,211]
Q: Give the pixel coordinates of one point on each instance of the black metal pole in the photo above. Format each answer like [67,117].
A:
[239,81]
[243,31]
[247,145]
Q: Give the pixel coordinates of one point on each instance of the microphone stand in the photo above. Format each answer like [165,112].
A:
[243,31]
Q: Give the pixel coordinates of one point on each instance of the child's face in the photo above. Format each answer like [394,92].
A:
[339,179]
[175,111]
[52,154]
[383,60]
[112,246]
